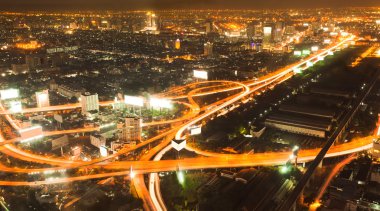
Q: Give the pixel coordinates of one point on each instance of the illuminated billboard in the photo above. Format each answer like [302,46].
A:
[16,107]
[267,30]
[133,100]
[195,130]
[297,53]
[9,94]
[306,52]
[160,103]
[200,74]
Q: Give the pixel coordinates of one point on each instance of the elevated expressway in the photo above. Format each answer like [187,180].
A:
[196,114]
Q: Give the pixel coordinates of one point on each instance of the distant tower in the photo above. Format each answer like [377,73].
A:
[177,44]
[250,30]
[151,21]
[267,37]
[42,99]
[278,32]
[208,48]
[208,27]
[254,30]
[89,102]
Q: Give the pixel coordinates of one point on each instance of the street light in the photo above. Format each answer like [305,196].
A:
[296,148]
[181,177]
[284,169]
[132,174]
[294,154]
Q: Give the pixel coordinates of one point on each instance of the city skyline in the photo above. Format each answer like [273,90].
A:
[20,5]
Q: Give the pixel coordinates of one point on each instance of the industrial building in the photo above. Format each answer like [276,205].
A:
[308,110]
[311,126]
[331,92]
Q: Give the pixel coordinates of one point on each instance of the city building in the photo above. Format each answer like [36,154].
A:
[151,21]
[250,30]
[299,124]
[267,39]
[331,92]
[42,98]
[89,102]
[290,31]
[258,31]
[208,27]
[308,110]
[278,32]
[116,145]
[68,91]
[45,60]
[98,140]
[131,130]
[208,49]
[20,68]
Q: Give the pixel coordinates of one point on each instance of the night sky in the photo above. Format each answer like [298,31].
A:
[170,4]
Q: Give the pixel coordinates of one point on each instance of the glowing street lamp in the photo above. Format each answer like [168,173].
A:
[181,177]
[132,174]
[296,148]
[284,169]
[294,154]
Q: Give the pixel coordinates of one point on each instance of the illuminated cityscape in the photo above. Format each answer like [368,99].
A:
[189,106]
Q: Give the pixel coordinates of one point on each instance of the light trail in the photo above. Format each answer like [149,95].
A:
[332,174]
[226,161]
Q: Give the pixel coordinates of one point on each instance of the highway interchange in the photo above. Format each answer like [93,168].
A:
[242,91]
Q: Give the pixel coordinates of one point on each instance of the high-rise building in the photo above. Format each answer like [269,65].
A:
[151,21]
[250,30]
[131,130]
[267,39]
[258,31]
[208,27]
[42,99]
[278,32]
[254,30]
[177,44]
[290,30]
[208,47]
[89,102]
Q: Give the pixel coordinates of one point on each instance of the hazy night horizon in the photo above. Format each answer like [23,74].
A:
[173,4]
